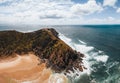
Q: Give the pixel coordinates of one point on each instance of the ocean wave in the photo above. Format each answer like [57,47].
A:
[82,42]
[92,56]
[102,58]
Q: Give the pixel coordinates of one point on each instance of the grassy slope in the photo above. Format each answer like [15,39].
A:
[44,43]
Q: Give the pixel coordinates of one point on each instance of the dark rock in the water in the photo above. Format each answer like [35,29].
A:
[43,43]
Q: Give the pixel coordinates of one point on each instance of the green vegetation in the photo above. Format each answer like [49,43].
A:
[43,43]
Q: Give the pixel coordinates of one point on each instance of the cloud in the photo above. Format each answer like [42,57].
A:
[38,6]
[35,11]
[118,10]
[109,3]
[55,14]
[107,20]
[48,11]
[88,8]
[111,19]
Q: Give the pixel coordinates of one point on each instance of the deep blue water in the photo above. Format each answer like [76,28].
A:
[105,38]
[102,37]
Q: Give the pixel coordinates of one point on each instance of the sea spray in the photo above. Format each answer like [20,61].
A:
[92,56]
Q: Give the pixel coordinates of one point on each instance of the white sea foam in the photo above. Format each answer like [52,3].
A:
[82,42]
[100,51]
[78,47]
[102,58]
[83,48]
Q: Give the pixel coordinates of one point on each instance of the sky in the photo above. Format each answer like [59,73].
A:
[59,12]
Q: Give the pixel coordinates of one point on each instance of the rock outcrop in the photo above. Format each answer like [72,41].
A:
[45,44]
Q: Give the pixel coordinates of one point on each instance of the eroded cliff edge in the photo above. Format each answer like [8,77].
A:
[45,44]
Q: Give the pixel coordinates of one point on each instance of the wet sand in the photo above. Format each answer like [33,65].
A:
[27,69]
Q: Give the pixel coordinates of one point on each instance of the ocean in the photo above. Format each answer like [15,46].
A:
[99,43]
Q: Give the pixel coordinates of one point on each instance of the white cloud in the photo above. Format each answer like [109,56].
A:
[35,11]
[111,18]
[109,3]
[49,12]
[88,8]
[118,10]
[107,20]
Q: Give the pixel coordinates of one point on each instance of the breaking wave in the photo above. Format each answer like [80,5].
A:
[92,58]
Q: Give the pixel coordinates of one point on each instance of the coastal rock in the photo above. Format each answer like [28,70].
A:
[45,44]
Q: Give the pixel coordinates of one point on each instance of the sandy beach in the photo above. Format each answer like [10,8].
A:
[27,69]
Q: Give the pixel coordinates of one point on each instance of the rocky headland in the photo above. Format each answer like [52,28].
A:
[43,43]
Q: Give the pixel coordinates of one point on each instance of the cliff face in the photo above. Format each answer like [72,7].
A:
[43,43]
